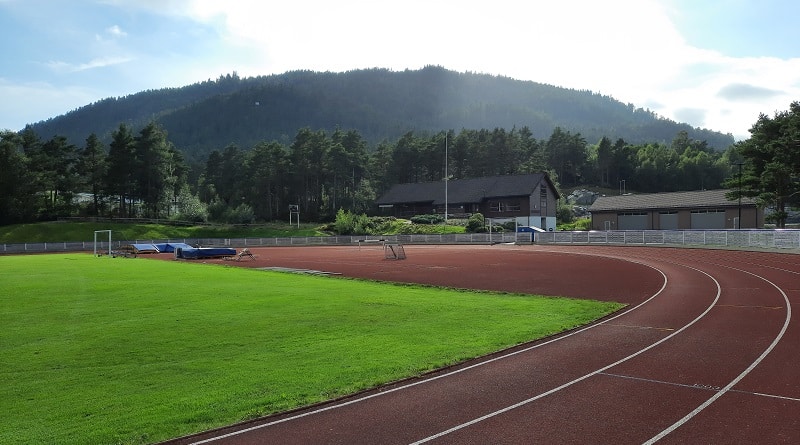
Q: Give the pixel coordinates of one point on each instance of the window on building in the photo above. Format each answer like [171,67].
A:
[709,211]
[504,206]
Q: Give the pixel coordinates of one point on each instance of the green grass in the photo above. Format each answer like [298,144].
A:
[101,350]
[53,232]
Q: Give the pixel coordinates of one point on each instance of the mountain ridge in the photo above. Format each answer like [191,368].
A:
[378,103]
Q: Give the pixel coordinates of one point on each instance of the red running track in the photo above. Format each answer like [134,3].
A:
[706,352]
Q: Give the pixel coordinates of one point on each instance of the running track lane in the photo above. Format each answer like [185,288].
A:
[709,358]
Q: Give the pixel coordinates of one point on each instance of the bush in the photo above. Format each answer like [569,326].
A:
[578,224]
[191,209]
[509,226]
[427,229]
[351,224]
[242,214]
[427,219]
[565,213]
[345,223]
[475,224]
[499,228]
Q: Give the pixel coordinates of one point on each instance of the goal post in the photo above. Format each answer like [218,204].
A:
[99,235]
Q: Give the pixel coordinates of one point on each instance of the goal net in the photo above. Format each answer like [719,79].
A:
[394,251]
[102,245]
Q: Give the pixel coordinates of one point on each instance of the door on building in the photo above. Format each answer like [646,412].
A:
[708,219]
[632,221]
[668,220]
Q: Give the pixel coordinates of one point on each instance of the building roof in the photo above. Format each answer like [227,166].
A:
[673,200]
[464,191]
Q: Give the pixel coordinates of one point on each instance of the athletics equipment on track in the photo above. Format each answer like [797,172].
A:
[394,251]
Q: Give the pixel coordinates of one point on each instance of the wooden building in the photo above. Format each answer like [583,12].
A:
[530,200]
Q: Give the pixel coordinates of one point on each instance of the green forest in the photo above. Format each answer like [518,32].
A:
[143,174]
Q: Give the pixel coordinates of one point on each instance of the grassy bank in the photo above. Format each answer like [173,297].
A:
[53,232]
[101,350]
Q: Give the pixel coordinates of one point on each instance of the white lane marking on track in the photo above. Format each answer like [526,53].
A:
[582,378]
[772,396]
[738,378]
[662,382]
[642,327]
[700,386]
[431,379]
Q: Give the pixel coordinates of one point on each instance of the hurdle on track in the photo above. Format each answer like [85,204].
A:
[394,251]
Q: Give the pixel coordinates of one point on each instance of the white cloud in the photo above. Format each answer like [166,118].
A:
[116,31]
[101,62]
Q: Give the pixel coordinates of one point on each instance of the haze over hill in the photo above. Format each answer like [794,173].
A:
[380,104]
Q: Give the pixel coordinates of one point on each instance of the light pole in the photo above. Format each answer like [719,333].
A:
[445,178]
[739,221]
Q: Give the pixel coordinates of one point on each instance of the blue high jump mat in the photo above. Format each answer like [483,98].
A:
[193,253]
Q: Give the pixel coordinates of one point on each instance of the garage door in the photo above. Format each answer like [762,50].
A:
[711,219]
[668,220]
[632,221]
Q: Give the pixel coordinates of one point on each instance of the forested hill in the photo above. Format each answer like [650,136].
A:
[380,104]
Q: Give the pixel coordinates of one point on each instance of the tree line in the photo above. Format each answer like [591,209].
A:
[144,175]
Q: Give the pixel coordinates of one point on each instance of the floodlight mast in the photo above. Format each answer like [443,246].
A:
[740,195]
[738,224]
[445,178]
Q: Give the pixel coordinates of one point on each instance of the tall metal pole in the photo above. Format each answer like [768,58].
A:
[740,195]
[446,179]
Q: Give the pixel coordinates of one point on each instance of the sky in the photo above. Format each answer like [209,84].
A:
[715,64]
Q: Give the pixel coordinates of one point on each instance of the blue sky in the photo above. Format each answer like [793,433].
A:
[711,63]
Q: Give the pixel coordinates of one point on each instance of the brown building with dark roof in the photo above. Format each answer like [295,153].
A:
[705,209]
[530,200]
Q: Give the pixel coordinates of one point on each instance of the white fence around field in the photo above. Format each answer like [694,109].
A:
[466,238]
[739,239]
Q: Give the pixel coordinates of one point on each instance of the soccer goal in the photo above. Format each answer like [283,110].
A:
[394,251]
[99,235]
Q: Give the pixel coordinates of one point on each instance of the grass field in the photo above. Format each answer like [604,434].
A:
[101,350]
